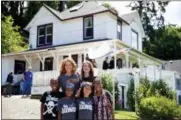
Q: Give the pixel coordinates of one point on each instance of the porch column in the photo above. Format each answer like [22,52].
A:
[28,60]
[57,61]
[84,55]
[79,60]
[42,60]
[154,71]
[127,60]
[139,61]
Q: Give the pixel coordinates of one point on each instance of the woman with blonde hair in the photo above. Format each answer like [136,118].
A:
[68,75]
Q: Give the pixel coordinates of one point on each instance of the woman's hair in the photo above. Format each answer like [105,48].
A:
[62,68]
[82,92]
[91,73]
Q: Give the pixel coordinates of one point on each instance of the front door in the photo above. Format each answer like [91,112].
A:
[19,66]
[122,96]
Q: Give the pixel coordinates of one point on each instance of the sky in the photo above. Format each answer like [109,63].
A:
[172,14]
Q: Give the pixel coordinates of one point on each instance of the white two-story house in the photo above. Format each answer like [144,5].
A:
[55,35]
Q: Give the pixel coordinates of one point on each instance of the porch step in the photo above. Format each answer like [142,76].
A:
[39,90]
[36,97]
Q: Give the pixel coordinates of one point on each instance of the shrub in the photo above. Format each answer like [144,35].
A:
[107,79]
[148,89]
[154,108]
[131,95]
[178,113]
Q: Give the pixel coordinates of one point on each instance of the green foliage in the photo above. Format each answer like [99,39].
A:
[155,100]
[12,41]
[151,14]
[34,6]
[165,44]
[158,108]
[117,94]
[107,80]
[131,95]
[155,88]
[72,3]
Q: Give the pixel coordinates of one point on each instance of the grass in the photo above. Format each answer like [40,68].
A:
[123,114]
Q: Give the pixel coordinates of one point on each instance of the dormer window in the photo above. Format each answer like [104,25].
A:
[134,39]
[45,35]
[119,30]
[88,27]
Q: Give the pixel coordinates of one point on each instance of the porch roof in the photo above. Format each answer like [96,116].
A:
[81,46]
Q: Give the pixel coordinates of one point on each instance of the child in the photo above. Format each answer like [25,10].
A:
[49,101]
[84,103]
[66,106]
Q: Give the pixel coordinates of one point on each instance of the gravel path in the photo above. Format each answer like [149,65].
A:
[16,107]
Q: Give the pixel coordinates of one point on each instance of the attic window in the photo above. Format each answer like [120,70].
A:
[88,27]
[75,8]
[44,35]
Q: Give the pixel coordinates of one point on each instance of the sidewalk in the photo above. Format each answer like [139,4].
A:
[16,107]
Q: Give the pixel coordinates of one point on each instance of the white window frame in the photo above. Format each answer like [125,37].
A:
[40,35]
[133,31]
[48,34]
[119,24]
[85,28]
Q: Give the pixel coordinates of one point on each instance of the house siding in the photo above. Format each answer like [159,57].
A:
[71,31]
[135,27]
[126,34]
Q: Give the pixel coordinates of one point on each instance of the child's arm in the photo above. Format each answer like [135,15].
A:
[41,111]
[59,115]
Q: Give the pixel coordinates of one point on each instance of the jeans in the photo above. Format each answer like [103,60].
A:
[8,89]
[26,88]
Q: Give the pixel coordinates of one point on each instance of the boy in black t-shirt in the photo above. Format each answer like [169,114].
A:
[49,101]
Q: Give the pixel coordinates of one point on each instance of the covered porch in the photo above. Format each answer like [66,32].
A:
[45,62]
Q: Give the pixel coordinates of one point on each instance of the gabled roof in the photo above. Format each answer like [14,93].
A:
[132,16]
[175,66]
[80,10]
[129,17]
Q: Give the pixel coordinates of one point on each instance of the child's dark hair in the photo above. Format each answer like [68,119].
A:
[82,92]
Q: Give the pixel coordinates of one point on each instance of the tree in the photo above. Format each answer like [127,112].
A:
[131,95]
[166,44]
[15,9]
[151,14]
[72,3]
[12,41]
[34,6]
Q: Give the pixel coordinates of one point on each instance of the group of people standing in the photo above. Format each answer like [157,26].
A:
[25,84]
[82,97]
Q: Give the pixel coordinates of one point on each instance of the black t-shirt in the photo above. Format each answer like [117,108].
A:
[50,101]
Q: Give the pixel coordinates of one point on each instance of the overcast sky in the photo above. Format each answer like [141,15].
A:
[172,15]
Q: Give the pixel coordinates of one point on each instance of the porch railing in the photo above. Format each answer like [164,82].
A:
[43,78]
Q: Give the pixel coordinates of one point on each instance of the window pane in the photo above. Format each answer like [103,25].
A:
[89,32]
[41,40]
[49,39]
[88,22]
[49,29]
[41,31]
[134,40]
[119,28]
[119,35]
[19,67]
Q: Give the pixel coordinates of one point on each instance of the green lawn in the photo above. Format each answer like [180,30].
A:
[125,115]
